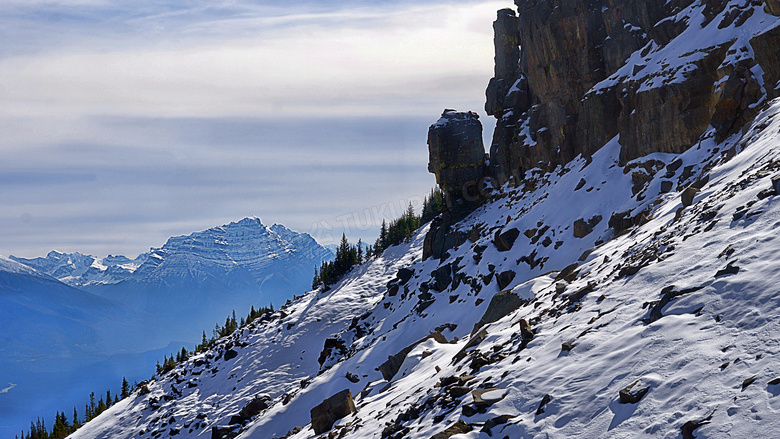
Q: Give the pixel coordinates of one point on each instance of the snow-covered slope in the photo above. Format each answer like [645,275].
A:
[684,300]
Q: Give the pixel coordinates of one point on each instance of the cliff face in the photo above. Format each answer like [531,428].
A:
[572,75]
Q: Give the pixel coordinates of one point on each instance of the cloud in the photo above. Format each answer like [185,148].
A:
[123,126]
[7,389]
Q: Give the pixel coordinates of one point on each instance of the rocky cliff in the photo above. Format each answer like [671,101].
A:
[572,75]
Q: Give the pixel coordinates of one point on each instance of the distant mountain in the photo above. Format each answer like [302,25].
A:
[194,281]
[79,270]
[53,334]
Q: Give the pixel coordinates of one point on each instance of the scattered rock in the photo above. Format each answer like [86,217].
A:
[580,185]
[502,304]
[230,354]
[458,391]
[331,410]
[567,346]
[667,295]
[459,427]
[688,428]
[546,399]
[442,277]
[505,278]
[404,274]
[253,407]
[776,182]
[494,422]
[225,432]
[774,382]
[666,186]
[505,241]
[389,368]
[687,196]
[333,346]
[633,393]
[748,381]
[729,269]
[353,377]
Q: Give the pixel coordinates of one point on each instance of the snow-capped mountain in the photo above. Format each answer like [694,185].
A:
[80,270]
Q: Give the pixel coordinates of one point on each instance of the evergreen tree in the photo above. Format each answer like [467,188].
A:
[125,388]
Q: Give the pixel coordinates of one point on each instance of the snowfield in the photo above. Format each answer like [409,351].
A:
[680,300]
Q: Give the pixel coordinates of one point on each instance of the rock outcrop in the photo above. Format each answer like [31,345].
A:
[571,75]
[457,158]
[331,410]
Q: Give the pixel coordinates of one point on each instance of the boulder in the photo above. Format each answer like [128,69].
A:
[504,241]
[459,427]
[632,393]
[252,408]
[225,431]
[545,400]
[776,185]
[666,186]
[583,228]
[772,7]
[502,304]
[442,277]
[389,368]
[505,278]
[331,410]
[404,274]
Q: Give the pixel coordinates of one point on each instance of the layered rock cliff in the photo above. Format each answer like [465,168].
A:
[572,75]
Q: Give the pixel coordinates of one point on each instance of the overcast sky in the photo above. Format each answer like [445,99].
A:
[125,123]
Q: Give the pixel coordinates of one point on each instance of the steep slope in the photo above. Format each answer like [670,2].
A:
[685,302]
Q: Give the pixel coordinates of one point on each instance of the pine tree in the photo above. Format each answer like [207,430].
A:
[125,388]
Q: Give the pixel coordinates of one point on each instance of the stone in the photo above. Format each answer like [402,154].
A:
[441,238]
[502,304]
[567,346]
[333,346]
[687,196]
[389,368]
[225,432]
[688,428]
[442,278]
[504,241]
[633,393]
[252,408]
[353,377]
[458,391]
[776,184]
[459,427]
[230,354]
[583,228]
[487,397]
[666,186]
[730,268]
[505,278]
[772,7]
[748,381]
[404,274]
[457,158]
[546,399]
[338,406]
[494,422]
[668,294]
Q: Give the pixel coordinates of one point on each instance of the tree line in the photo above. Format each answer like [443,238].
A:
[393,233]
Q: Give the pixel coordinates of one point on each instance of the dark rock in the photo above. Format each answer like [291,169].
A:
[774,382]
[333,346]
[404,274]
[502,304]
[457,158]
[441,238]
[687,196]
[442,277]
[581,293]
[729,269]
[667,295]
[494,422]
[389,368]
[620,222]
[353,377]
[253,407]
[567,346]
[392,288]
[331,410]
[459,427]
[580,185]
[666,186]
[526,332]
[546,399]
[688,428]
[505,278]
[487,397]
[583,228]
[633,393]
[776,182]
[772,7]
[504,241]
[230,354]
[748,381]
[224,432]
[458,391]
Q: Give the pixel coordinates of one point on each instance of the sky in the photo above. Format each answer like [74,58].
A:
[125,123]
